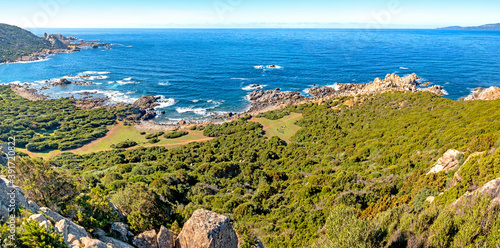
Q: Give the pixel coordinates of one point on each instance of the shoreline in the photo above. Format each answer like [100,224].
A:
[260,101]
[144,113]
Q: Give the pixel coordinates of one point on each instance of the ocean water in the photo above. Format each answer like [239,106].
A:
[199,71]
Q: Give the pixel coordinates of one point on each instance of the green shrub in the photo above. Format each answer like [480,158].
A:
[175,134]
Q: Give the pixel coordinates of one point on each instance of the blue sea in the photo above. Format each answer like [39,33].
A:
[200,71]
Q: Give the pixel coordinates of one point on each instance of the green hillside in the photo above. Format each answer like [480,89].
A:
[350,176]
[16,42]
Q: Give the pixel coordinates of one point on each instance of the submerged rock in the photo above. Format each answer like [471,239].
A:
[206,229]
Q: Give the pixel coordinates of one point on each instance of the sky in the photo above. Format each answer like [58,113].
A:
[248,13]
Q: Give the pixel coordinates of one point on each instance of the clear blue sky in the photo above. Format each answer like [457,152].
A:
[248,13]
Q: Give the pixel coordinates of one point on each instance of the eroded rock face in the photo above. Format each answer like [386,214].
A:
[206,229]
[146,240]
[449,161]
[491,93]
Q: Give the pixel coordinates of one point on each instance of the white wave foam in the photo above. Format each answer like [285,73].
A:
[113,95]
[125,82]
[164,83]
[94,72]
[243,79]
[274,67]
[404,68]
[195,101]
[198,111]
[444,92]
[335,86]
[259,67]
[127,79]
[253,87]
[164,102]
[29,62]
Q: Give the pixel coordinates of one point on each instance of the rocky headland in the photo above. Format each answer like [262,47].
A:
[59,44]
[272,99]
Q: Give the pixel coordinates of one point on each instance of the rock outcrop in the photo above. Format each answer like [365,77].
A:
[491,93]
[59,41]
[449,161]
[391,83]
[145,108]
[120,230]
[263,99]
[147,102]
[62,81]
[206,229]
[491,189]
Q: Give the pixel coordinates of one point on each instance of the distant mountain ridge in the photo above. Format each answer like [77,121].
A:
[16,42]
[495,26]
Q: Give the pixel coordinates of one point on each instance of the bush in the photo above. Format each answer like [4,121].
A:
[345,229]
[124,144]
[175,134]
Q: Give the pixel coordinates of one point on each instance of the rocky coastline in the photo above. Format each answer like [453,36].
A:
[144,109]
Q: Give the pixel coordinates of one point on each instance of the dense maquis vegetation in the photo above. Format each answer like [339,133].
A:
[351,177]
[52,124]
[16,42]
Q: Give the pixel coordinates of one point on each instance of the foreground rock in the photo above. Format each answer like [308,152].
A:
[165,238]
[8,192]
[448,162]
[206,229]
[146,240]
[491,93]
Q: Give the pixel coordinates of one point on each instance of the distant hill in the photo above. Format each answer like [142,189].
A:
[16,42]
[495,26]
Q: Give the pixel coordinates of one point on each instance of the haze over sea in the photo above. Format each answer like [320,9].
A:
[198,71]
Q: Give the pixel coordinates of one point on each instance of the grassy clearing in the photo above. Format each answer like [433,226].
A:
[284,128]
[120,133]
